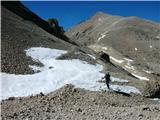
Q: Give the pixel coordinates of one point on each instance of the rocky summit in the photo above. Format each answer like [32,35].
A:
[49,73]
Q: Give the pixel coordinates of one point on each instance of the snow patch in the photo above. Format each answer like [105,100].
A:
[156,99]
[149,72]
[116,60]
[129,67]
[91,56]
[54,75]
[129,60]
[158,36]
[102,36]
[135,49]
[99,19]
[114,79]
[140,77]
[125,89]
[104,48]
[150,46]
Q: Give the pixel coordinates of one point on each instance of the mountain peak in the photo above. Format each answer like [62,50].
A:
[99,14]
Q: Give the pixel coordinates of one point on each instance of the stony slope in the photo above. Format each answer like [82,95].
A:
[70,103]
[19,34]
[130,36]
[132,43]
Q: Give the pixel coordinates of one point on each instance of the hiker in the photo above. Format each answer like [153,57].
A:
[107,79]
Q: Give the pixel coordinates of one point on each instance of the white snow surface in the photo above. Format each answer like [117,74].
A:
[102,36]
[116,60]
[55,74]
[125,89]
[114,79]
[104,48]
[140,77]
[147,71]
[129,60]
[156,99]
[129,67]
[136,49]
[92,56]
[158,36]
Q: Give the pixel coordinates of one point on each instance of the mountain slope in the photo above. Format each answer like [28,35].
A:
[130,36]
[28,46]
[132,43]
[19,34]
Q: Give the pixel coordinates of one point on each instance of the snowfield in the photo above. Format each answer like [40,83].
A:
[55,74]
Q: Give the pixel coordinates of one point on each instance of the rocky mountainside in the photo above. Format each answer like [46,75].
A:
[132,43]
[22,29]
[130,36]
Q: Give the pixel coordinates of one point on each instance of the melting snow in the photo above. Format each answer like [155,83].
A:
[99,19]
[54,74]
[118,79]
[102,36]
[148,71]
[156,99]
[140,77]
[104,48]
[126,89]
[91,56]
[129,60]
[116,60]
[158,36]
[129,67]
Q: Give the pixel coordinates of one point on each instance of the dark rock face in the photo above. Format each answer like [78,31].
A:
[19,9]
[104,57]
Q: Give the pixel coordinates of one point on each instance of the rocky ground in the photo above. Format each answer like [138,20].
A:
[77,104]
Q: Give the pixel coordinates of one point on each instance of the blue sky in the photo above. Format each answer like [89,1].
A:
[70,13]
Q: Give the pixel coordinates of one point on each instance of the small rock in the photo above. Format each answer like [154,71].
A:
[11,98]
[47,110]
[41,94]
[74,90]
[140,116]
[146,108]
[50,67]
[79,110]
[15,114]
